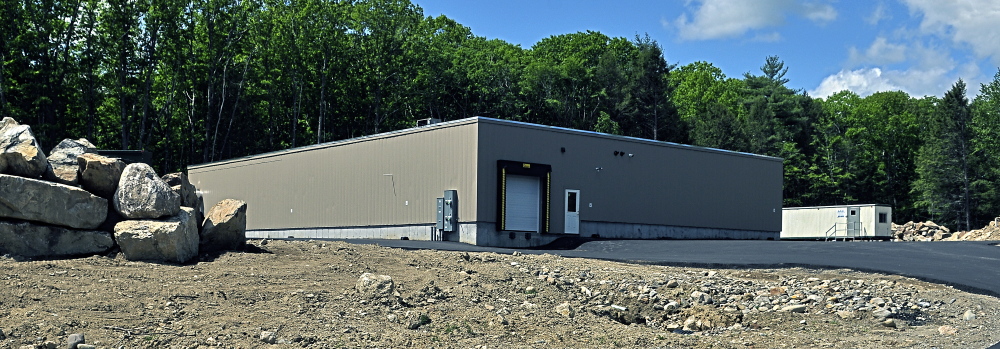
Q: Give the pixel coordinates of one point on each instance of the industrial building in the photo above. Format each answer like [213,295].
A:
[845,222]
[502,183]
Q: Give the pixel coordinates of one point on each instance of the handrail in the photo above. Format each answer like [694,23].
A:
[829,234]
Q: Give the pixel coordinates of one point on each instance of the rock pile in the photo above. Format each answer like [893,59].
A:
[76,202]
[922,231]
[930,231]
[710,301]
[989,232]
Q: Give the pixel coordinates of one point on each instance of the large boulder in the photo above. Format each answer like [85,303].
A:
[63,165]
[20,154]
[142,194]
[33,240]
[100,174]
[52,203]
[111,219]
[6,123]
[180,184]
[225,226]
[174,239]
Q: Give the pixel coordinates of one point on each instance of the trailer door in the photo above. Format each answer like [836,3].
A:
[853,221]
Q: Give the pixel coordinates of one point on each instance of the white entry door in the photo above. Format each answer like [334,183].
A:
[522,204]
[572,211]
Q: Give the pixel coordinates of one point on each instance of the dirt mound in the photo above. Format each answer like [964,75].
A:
[305,294]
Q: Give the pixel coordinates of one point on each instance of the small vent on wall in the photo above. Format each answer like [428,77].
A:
[428,121]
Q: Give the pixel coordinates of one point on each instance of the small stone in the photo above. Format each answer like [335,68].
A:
[375,286]
[74,340]
[691,324]
[843,314]
[947,330]
[50,345]
[889,323]
[530,289]
[268,337]
[86,346]
[969,315]
[566,310]
[421,320]
[878,301]
[672,284]
[2,336]
[701,297]
[671,306]
[795,308]
[881,313]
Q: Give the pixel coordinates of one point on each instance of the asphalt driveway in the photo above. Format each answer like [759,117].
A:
[970,266]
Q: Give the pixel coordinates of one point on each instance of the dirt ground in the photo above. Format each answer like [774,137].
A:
[303,294]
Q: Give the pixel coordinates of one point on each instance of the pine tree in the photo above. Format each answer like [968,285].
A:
[944,162]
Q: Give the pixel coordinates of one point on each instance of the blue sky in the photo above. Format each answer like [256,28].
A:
[921,47]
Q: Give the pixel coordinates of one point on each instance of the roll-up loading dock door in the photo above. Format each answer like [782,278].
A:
[522,203]
[523,193]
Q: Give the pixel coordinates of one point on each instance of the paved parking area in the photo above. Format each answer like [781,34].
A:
[969,266]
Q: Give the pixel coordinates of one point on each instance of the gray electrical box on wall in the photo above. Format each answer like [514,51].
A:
[450,210]
[440,214]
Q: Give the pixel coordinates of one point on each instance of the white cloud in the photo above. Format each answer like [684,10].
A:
[718,19]
[878,15]
[769,37]
[817,12]
[881,51]
[915,82]
[862,81]
[971,22]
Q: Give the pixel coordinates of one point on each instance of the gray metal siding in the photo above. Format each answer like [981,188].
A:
[345,184]
[661,184]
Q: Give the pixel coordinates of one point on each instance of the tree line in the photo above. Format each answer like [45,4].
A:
[194,81]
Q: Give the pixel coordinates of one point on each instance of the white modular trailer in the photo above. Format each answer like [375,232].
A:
[846,222]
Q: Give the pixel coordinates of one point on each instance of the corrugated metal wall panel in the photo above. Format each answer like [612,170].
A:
[351,183]
[659,184]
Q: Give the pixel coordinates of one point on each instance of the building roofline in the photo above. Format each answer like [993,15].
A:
[467,121]
[337,143]
[623,138]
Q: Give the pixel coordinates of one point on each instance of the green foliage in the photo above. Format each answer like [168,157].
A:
[986,150]
[606,125]
[945,161]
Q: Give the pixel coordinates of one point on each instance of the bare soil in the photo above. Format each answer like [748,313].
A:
[304,294]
